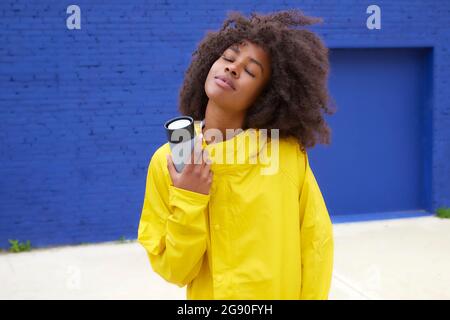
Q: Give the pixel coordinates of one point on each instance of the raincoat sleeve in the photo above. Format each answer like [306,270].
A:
[172,228]
[317,244]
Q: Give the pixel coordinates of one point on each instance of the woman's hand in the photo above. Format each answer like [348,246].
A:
[196,175]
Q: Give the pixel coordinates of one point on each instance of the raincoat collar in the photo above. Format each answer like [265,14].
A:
[246,144]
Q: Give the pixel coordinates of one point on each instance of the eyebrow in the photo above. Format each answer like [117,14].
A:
[236,49]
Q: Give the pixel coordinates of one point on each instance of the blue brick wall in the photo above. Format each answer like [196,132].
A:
[81,110]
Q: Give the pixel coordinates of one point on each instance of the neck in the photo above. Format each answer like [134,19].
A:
[220,119]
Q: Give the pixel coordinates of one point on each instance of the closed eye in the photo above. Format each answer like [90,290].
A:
[229,60]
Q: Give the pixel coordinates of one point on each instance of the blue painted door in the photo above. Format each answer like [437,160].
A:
[379,157]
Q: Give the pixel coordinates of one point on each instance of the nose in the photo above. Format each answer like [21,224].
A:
[233,70]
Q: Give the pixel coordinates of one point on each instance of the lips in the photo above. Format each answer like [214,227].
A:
[226,80]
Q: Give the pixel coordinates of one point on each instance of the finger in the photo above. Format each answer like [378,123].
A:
[188,166]
[171,167]
[211,176]
[198,151]
[198,167]
[206,171]
[194,151]
[206,167]
[206,159]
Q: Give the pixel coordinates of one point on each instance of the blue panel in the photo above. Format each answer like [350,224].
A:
[376,161]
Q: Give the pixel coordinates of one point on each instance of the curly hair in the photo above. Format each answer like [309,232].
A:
[295,96]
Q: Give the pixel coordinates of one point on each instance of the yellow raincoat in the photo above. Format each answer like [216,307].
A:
[254,236]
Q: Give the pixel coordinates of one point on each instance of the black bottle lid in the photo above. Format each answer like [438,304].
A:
[187,132]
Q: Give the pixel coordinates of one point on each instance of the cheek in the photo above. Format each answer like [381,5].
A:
[250,88]
[214,68]
[212,72]
[210,76]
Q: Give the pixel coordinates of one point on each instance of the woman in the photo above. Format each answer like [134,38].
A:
[226,229]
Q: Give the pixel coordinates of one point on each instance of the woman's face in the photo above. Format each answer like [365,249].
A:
[247,67]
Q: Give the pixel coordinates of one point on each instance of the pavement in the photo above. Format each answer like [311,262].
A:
[386,259]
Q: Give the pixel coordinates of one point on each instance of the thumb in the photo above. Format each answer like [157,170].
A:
[171,167]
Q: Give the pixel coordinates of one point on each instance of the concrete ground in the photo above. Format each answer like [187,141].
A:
[385,259]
